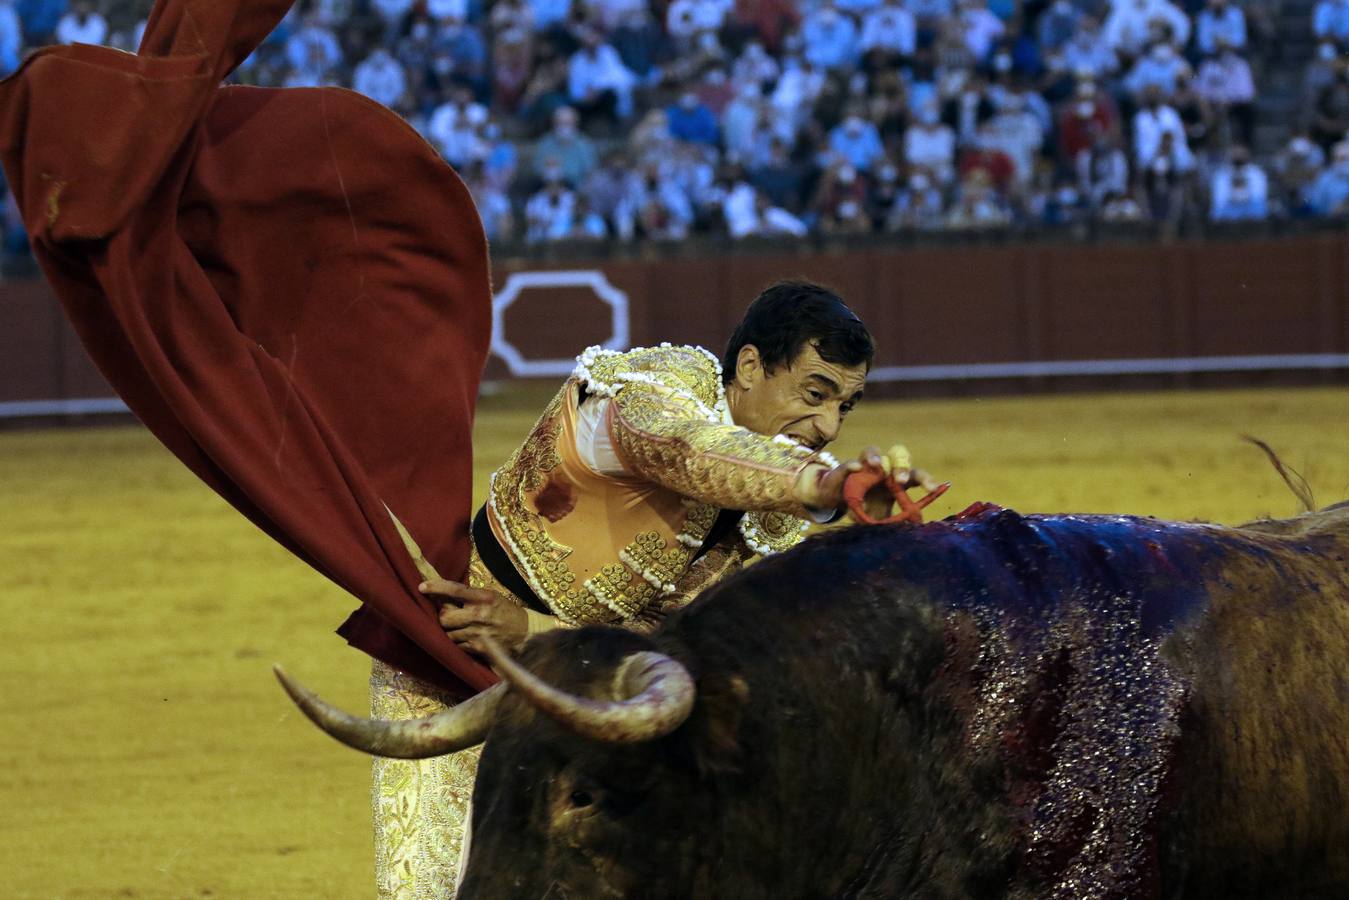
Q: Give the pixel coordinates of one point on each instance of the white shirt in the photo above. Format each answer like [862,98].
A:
[934,149]
[604,72]
[70,30]
[391,10]
[1150,125]
[447,9]
[890,28]
[380,77]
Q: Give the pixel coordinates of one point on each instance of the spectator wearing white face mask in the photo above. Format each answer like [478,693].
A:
[1162,68]
[1239,190]
[1154,123]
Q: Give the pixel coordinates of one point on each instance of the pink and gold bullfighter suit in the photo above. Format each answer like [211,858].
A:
[620,506]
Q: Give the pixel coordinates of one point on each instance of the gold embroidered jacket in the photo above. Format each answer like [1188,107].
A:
[600,548]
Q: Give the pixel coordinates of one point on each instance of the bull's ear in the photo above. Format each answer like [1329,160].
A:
[714,728]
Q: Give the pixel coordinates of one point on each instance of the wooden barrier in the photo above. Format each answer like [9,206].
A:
[1018,316]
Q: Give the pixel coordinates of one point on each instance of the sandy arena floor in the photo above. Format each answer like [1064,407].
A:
[149,753]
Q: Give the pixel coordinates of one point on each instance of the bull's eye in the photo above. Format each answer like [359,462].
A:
[581,799]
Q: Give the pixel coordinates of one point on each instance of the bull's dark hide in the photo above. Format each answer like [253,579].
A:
[996,705]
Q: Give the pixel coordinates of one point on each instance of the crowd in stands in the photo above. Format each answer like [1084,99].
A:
[628,119]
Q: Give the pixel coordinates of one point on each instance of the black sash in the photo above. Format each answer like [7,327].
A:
[499,564]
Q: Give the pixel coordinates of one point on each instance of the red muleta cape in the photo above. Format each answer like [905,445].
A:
[287,286]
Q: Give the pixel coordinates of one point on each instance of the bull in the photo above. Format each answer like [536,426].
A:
[994,705]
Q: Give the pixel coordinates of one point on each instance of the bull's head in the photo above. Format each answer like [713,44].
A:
[585,745]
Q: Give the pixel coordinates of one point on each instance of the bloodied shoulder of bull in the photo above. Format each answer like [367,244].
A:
[651,475]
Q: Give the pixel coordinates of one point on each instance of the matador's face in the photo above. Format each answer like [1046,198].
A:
[806,400]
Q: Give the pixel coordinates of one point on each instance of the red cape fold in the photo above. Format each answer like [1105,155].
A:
[287,286]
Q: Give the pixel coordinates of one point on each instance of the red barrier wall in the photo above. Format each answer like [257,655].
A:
[977,304]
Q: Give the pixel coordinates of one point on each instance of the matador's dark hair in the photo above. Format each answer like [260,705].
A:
[791,315]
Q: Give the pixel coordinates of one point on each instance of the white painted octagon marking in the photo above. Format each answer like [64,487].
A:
[518,282]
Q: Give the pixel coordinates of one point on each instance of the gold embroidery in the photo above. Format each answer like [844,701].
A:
[672,427]
[421,807]
[660,433]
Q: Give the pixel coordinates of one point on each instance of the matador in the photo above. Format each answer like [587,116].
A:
[650,475]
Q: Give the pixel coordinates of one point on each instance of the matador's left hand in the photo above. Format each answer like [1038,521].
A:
[470,613]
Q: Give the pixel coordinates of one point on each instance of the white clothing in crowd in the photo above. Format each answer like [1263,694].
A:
[380,77]
[89,29]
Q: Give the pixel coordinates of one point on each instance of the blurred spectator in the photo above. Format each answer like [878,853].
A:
[1329,193]
[564,152]
[1154,124]
[686,19]
[1161,67]
[313,50]
[919,205]
[1320,73]
[754,67]
[978,204]
[829,38]
[1058,25]
[82,25]
[1221,22]
[1296,166]
[1239,191]
[587,225]
[841,187]
[1090,113]
[981,28]
[1121,208]
[664,212]
[1330,19]
[778,178]
[641,44]
[1166,179]
[447,10]
[11,37]
[889,35]
[767,20]
[1226,82]
[1103,169]
[39,18]
[550,14]
[691,120]
[1134,24]
[512,65]
[797,89]
[392,13]
[931,144]
[1330,115]
[856,141]
[599,85]
[1089,54]
[549,213]
[458,111]
[1014,131]
[380,77]
[494,207]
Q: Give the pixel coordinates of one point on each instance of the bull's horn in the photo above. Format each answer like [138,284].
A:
[653,695]
[447,731]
